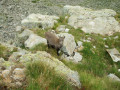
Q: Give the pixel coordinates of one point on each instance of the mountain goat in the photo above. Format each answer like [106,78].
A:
[54,41]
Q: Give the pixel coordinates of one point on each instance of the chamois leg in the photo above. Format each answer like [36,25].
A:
[48,44]
[58,51]
[52,46]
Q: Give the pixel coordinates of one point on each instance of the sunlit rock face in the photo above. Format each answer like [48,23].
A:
[39,20]
[69,43]
[90,21]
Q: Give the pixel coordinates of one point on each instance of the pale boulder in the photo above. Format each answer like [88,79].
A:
[6,77]
[77,57]
[39,21]
[23,36]
[79,43]
[61,28]
[18,84]
[91,21]
[5,64]
[113,77]
[25,33]
[67,30]
[1,61]
[16,55]
[5,73]
[69,43]
[19,29]
[18,74]
[114,53]
[56,65]
[34,40]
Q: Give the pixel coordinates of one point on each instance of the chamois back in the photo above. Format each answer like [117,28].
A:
[54,41]
[52,38]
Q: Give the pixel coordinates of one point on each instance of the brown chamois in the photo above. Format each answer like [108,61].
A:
[54,41]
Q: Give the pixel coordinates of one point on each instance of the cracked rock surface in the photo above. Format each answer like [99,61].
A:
[12,12]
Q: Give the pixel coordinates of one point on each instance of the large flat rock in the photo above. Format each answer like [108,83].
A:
[92,21]
[39,20]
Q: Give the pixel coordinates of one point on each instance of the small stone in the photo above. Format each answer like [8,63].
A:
[109,38]
[79,43]
[18,84]
[116,37]
[94,46]
[25,33]
[114,53]
[16,55]
[61,28]
[89,38]
[23,36]
[53,31]
[12,85]
[67,30]
[66,17]
[80,48]
[74,77]
[70,58]
[106,46]
[18,74]
[19,29]
[5,73]
[34,40]
[113,77]
[77,57]
[86,40]
[2,60]
[104,38]
[118,70]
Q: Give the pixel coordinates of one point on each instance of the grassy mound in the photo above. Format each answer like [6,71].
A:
[93,69]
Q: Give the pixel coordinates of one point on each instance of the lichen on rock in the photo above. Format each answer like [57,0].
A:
[54,64]
[92,21]
[39,20]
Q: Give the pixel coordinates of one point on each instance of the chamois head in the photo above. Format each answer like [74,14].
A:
[61,39]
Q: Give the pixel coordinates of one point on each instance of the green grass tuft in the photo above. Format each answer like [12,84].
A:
[117,17]
[35,1]
[40,77]
[3,50]
[92,82]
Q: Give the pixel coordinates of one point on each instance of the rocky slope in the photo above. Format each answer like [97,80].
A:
[13,11]
[84,61]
